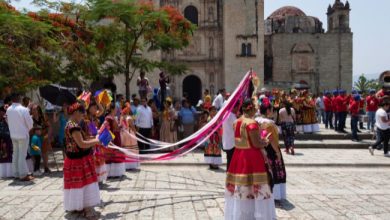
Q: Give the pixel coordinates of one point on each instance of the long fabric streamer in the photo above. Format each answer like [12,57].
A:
[193,141]
[233,99]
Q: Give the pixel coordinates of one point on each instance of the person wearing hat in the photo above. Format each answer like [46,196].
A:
[328,110]
[354,111]
[372,106]
[334,109]
[342,102]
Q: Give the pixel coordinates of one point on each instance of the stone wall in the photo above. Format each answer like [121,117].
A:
[242,22]
[332,64]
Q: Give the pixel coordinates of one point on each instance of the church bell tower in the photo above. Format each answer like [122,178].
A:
[243,41]
[338,17]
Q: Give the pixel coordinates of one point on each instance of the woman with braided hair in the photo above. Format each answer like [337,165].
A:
[248,186]
[81,189]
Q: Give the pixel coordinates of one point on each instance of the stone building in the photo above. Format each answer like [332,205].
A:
[297,48]
[228,42]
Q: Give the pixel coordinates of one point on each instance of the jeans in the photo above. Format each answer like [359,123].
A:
[146,132]
[37,162]
[321,116]
[19,164]
[383,136]
[342,119]
[371,120]
[328,119]
[336,120]
[354,126]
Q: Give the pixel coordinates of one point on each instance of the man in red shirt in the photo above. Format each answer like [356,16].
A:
[372,106]
[342,102]
[354,110]
[328,110]
[334,109]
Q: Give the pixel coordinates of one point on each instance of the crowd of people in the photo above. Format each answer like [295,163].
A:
[250,131]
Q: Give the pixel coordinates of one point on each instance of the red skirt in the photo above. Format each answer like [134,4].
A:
[79,172]
[247,168]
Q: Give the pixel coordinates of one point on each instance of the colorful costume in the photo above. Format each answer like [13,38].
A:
[168,130]
[114,158]
[81,189]
[129,142]
[277,166]
[212,150]
[98,156]
[5,150]
[309,118]
[248,193]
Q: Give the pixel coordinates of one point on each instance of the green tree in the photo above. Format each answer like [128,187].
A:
[125,29]
[362,84]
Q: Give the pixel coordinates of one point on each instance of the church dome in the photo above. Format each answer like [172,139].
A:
[285,12]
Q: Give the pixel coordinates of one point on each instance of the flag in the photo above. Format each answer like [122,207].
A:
[86,97]
[106,137]
[103,97]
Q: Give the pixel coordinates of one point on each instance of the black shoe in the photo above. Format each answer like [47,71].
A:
[359,131]
[47,170]
[343,131]
[331,127]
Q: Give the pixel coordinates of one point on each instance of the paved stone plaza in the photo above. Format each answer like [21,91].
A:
[322,184]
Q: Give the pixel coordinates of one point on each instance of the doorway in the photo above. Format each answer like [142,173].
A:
[192,87]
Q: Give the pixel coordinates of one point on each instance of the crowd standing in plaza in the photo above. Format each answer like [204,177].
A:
[250,134]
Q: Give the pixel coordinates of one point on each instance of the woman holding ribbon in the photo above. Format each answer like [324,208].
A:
[248,192]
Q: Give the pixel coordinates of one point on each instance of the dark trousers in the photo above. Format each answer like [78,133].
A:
[382,136]
[146,132]
[229,155]
[163,95]
[336,120]
[37,162]
[342,119]
[328,119]
[354,126]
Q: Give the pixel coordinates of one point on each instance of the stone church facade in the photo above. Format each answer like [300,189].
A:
[297,48]
[232,37]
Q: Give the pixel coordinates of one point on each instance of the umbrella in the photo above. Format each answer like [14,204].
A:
[57,95]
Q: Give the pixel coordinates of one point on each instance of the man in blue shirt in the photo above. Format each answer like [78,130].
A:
[187,118]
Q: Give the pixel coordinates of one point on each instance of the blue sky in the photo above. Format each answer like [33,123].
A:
[370,24]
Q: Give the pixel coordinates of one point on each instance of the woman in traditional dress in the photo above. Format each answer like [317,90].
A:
[95,110]
[310,124]
[81,189]
[274,155]
[114,158]
[287,120]
[212,150]
[128,136]
[248,192]
[5,147]
[168,130]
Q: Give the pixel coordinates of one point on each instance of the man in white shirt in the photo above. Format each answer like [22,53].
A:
[20,123]
[218,101]
[382,129]
[320,108]
[144,123]
[228,135]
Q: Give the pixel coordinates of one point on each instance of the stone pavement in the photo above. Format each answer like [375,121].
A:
[186,189]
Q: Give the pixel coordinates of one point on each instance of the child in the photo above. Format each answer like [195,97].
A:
[35,149]
[212,151]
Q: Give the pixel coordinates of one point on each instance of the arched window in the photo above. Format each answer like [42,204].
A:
[243,49]
[249,49]
[191,14]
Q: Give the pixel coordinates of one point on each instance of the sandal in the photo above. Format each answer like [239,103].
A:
[90,214]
